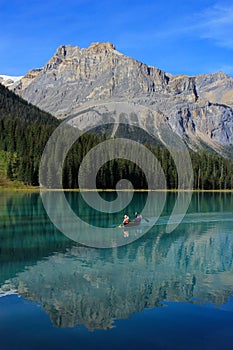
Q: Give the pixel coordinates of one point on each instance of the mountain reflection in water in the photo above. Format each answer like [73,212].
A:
[79,285]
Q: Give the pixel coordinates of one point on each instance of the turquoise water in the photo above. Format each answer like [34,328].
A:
[162,291]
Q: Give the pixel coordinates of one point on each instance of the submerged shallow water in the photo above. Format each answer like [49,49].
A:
[162,291]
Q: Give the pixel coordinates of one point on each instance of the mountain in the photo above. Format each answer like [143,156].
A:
[196,108]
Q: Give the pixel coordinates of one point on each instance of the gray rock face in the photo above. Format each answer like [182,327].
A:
[198,109]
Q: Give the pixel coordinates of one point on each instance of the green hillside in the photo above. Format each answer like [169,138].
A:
[24,131]
[3,168]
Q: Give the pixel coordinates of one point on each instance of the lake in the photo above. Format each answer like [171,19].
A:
[154,290]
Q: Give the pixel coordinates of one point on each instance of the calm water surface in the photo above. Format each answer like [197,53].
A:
[163,291]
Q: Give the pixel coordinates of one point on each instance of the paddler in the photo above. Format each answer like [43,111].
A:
[126,220]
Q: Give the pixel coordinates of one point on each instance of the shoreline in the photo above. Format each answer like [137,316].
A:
[38,189]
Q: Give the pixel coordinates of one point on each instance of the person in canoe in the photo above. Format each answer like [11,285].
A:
[125,221]
[138,217]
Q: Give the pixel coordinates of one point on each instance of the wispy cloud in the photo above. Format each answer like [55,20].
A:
[213,23]
[216,23]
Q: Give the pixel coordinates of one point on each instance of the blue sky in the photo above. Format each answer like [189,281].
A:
[181,37]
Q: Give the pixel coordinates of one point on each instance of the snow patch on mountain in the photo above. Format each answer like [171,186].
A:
[8,80]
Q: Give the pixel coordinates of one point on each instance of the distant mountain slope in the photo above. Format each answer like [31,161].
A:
[198,109]
[15,107]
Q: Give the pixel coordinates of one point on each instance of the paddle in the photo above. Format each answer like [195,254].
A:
[147,220]
[113,226]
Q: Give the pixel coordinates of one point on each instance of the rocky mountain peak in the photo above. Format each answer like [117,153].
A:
[68,51]
[98,46]
[198,108]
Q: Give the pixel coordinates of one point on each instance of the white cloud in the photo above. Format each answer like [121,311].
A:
[215,23]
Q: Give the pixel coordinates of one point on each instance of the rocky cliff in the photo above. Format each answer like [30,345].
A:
[198,109]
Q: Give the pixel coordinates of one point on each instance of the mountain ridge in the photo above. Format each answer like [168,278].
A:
[197,108]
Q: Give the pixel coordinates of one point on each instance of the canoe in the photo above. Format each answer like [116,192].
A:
[130,224]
